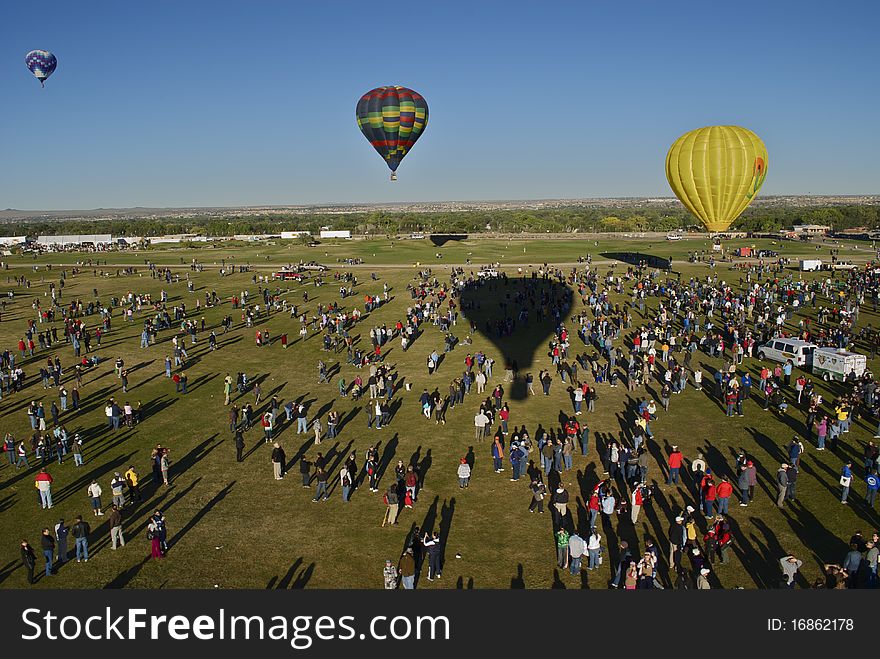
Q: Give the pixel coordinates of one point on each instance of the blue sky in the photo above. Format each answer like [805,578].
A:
[231,103]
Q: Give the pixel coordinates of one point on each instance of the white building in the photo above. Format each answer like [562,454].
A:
[73,240]
[811,229]
[345,235]
[177,238]
[12,241]
[290,235]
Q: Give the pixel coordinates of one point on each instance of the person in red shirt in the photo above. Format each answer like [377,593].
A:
[722,495]
[594,507]
[674,466]
[709,494]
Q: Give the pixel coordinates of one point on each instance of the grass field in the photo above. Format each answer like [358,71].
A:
[232,525]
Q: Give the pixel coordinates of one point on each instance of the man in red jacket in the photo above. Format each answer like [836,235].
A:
[709,497]
[43,482]
[722,495]
[674,466]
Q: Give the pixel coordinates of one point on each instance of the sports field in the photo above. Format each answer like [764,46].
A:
[232,525]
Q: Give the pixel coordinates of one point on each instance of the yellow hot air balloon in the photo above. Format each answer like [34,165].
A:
[716,171]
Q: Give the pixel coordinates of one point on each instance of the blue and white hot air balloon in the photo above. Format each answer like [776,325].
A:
[41,63]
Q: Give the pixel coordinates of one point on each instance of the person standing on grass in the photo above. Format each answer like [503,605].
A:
[346,480]
[722,495]
[29,560]
[790,566]
[390,575]
[94,491]
[115,522]
[132,480]
[278,459]
[391,506]
[539,491]
[305,471]
[227,389]
[562,538]
[239,445]
[321,478]
[316,426]
[47,543]
[117,489]
[44,486]
[845,480]
[781,484]
[594,547]
[873,483]
[80,531]
[636,502]
[407,569]
[61,533]
[431,543]
[674,462]
[164,465]
[498,453]
[153,537]
[576,551]
[464,474]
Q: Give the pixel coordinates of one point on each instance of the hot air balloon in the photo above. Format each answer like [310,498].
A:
[392,119]
[716,171]
[41,63]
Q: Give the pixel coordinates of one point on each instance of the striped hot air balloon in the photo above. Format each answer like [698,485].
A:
[392,119]
[716,171]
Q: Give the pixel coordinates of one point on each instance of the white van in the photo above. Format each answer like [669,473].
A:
[834,364]
[810,265]
[781,350]
[673,236]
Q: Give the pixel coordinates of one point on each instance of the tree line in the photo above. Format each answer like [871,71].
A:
[558,220]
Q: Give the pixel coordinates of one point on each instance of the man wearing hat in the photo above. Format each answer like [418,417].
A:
[677,538]
[702,579]
[781,484]
[390,575]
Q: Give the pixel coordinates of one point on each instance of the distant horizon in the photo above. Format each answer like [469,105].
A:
[524,200]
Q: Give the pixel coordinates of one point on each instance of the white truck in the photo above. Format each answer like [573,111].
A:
[837,364]
[810,265]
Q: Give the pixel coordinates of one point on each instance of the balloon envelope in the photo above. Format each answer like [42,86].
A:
[41,63]
[716,171]
[392,119]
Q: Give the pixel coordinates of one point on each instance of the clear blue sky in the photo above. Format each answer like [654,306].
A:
[226,103]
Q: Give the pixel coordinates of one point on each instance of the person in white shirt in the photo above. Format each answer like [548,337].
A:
[94,493]
[594,547]
[464,473]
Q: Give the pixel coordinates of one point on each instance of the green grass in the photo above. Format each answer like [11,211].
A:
[234,526]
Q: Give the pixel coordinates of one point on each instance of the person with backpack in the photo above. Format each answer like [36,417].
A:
[345,480]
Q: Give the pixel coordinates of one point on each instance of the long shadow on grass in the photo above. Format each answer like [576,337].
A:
[217,498]
[288,581]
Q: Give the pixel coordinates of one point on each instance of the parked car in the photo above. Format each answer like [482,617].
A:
[782,349]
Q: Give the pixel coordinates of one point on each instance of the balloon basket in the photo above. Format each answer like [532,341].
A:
[393,176]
